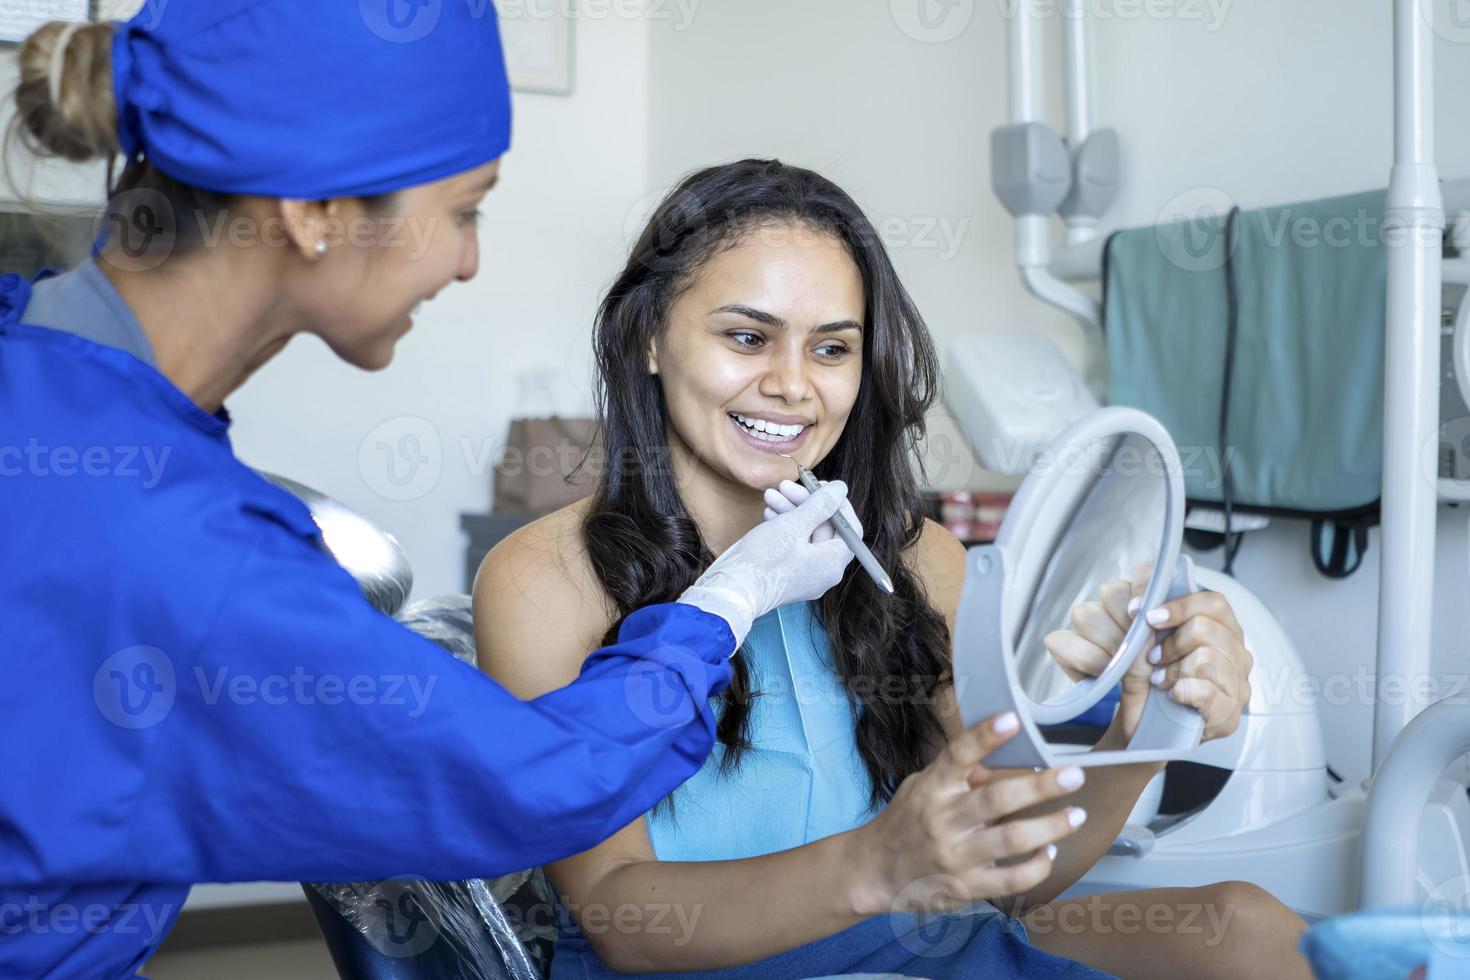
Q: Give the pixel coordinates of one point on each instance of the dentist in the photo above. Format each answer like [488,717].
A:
[149,624]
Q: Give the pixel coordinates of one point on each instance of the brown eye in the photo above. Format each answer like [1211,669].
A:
[746,338]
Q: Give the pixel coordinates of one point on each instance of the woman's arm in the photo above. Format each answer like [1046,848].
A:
[535,593]
[646,915]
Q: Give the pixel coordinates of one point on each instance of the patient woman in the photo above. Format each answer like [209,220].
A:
[760,317]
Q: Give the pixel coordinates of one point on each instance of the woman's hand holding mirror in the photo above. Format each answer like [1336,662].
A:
[1202,663]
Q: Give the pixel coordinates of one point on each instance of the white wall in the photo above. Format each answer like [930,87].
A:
[1268,101]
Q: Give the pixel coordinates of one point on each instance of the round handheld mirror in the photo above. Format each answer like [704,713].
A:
[1104,502]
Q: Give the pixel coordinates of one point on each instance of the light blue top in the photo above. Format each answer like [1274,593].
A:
[801,781]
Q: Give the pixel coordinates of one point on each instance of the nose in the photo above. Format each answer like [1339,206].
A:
[786,377]
[469,263]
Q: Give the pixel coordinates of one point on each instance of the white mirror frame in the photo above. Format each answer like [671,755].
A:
[986,678]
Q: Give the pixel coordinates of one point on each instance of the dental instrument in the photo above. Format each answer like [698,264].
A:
[846,533]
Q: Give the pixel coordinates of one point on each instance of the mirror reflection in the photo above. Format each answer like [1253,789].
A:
[1105,516]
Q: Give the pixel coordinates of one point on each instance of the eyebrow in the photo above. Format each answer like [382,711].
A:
[771,320]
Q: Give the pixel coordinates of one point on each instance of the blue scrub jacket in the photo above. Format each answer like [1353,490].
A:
[193,691]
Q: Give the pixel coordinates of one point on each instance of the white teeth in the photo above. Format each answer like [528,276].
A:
[769,431]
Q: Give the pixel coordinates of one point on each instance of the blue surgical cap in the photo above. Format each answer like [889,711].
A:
[312,99]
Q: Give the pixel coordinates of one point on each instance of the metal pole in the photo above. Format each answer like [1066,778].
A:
[1413,225]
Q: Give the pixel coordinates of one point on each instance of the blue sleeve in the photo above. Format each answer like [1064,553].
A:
[314,739]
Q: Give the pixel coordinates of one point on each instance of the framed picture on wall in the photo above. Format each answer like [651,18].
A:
[538,45]
[19,20]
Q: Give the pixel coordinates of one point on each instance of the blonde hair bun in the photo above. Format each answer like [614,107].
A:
[65,104]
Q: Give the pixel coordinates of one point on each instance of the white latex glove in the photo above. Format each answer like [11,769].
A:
[777,563]
[790,495]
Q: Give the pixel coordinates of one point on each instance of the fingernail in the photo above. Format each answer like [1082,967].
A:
[1076,816]
[1155,655]
[1070,777]
[1157,677]
[1007,723]
[1158,617]
[1134,603]
[1051,852]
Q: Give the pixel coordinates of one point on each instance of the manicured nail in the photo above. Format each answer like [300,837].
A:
[1070,777]
[1051,852]
[1007,723]
[1133,604]
[1158,617]
[1157,677]
[1076,816]
[1155,655]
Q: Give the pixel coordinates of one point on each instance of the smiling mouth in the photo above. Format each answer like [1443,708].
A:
[769,436]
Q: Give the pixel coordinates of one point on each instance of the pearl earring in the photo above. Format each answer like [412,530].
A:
[321,248]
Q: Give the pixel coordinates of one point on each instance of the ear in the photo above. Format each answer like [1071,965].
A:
[312,227]
[653,357]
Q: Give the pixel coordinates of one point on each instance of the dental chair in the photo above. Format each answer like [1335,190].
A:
[421,930]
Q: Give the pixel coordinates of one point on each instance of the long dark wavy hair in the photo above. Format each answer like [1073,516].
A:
[645,547]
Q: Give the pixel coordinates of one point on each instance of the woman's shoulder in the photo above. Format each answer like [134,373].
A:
[937,559]
[539,606]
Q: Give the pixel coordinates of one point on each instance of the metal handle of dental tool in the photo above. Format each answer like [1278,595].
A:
[848,534]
